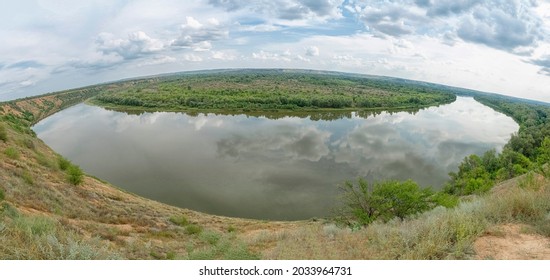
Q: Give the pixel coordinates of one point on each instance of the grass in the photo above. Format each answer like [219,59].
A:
[27,177]
[12,153]
[226,247]
[179,220]
[3,133]
[39,238]
[437,234]
[193,229]
[63,163]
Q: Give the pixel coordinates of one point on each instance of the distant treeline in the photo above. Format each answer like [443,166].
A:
[269,90]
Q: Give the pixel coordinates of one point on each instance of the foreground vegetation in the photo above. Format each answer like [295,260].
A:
[49,209]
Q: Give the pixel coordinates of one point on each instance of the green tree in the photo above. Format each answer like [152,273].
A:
[362,203]
[400,199]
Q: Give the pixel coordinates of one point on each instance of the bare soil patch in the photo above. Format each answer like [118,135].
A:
[512,242]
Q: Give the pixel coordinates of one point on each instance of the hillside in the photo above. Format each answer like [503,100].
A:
[44,216]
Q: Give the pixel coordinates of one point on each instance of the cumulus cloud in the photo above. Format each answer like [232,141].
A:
[448,7]
[312,51]
[199,36]
[264,55]
[223,55]
[393,20]
[286,142]
[497,28]
[136,45]
[504,25]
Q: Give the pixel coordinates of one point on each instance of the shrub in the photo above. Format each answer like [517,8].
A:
[363,204]
[74,174]
[29,143]
[27,177]
[63,163]
[193,229]
[12,153]
[179,220]
[2,195]
[3,133]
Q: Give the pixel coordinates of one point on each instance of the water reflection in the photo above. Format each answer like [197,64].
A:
[270,167]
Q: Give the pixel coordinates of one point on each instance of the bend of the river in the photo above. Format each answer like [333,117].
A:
[254,167]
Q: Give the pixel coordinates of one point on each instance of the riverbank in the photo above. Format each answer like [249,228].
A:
[44,216]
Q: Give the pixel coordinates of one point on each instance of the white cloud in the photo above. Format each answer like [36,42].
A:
[192,57]
[498,46]
[223,55]
[264,55]
[312,51]
[137,45]
[199,36]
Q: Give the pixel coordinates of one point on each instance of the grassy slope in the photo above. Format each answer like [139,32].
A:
[44,217]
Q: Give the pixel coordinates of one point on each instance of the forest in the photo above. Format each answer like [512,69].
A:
[258,90]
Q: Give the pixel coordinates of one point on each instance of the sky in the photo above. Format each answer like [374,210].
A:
[500,46]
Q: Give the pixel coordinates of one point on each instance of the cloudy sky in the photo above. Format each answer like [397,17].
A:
[499,46]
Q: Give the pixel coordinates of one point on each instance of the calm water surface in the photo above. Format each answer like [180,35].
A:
[257,167]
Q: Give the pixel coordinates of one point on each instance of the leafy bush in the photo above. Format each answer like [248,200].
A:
[63,163]
[193,229]
[179,220]
[363,204]
[12,153]
[74,174]
[2,195]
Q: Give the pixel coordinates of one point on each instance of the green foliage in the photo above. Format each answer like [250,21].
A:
[27,177]
[210,237]
[12,153]
[225,248]
[231,229]
[63,163]
[193,229]
[75,175]
[400,199]
[180,220]
[3,133]
[364,204]
[40,238]
[543,152]
[2,195]
[273,90]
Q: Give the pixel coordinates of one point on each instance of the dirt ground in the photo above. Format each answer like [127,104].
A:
[512,242]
